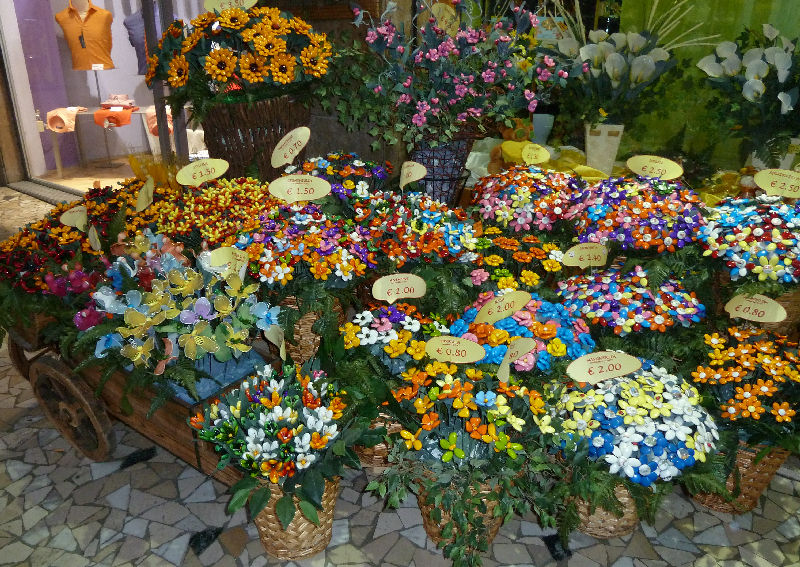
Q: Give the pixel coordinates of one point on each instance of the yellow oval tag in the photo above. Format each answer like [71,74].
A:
[757,308]
[411,171]
[586,254]
[234,258]
[290,146]
[145,197]
[598,366]
[783,182]
[503,306]
[297,187]
[94,239]
[516,349]
[398,286]
[76,217]
[454,349]
[533,154]
[654,166]
[200,171]
[446,17]
[220,5]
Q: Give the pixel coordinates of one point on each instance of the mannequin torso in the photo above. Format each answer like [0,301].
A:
[82,6]
[87,30]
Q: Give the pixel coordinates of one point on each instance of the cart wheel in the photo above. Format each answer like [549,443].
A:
[21,358]
[73,408]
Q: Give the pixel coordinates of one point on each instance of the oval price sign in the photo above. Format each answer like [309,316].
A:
[220,5]
[202,170]
[757,308]
[411,171]
[145,197]
[503,306]
[783,182]
[516,349]
[454,349]
[533,154]
[293,188]
[586,254]
[397,286]
[234,258]
[76,216]
[290,146]
[598,366]
[654,166]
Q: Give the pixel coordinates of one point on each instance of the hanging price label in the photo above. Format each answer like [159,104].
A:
[411,171]
[454,349]
[290,146]
[757,308]
[274,334]
[145,197]
[503,306]
[446,17]
[200,171]
[599,366]
[516,350]
[293,188]
[654,166]
[76,216]
[586,254]
[533,154]
[220,5]
[782,182]
[398,286]
[234,258]
[94,239]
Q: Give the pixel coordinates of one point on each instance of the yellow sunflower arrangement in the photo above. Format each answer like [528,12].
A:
[237,55]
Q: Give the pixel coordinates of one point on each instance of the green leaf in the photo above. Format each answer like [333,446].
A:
[259,500]
[239,499]
[285,510]
[314,486]
[309,512]
[247,483]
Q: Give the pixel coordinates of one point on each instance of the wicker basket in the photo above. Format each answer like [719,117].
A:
[307,341]
[445,163]
[302,538]
[603,524]
[434,528]
[245,134]
[377,457]
[754,479]
[29,335]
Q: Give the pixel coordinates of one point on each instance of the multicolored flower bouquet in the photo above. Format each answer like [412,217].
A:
[238,55]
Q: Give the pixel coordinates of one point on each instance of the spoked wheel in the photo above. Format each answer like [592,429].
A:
[73,408]
[20,357]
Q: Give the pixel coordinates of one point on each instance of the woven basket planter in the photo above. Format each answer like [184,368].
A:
[377,457]
[245,134]
[302,538]
[754,479]
[446,177]
[29,335]
[306,340]
[603,524]
[434,528]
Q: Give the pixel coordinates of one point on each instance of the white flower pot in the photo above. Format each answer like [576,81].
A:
[602,144]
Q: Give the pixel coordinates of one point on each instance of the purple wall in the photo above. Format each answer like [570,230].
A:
[37,30]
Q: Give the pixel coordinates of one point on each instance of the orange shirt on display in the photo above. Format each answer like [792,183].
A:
[89,39]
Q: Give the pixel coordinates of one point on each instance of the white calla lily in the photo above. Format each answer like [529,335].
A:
[769,32]
[771,52]
[659,54]
[786,103]
[615,68]
[753,89]
[607,48]
[619,39]
[783,63]
[592,53]
[710,66]
[788,46]
[636,42]
[732,65]
[756,70]
[642,69]
[569,46]
[752,55]
[596,36]
[726,49]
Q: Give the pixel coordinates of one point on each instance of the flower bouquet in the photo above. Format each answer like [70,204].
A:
[291,434]
[751,384]
[757,77]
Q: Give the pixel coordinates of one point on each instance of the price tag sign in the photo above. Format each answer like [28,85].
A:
[446,17]
[98,67]
[293,188]
[533,154]
[76,216]
[145,197]
[274,334]
[234,258]
[290,146]
[654,166]
[200,171]
[603,365]
[94,239]
[757,308]
[783,182]
[220,5]
[411,171]
[398,286]
[517,349]
[503,306]
[586,254]
[454,349]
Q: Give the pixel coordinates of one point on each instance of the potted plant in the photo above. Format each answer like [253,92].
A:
[757,79]
[244,73]
[291,433]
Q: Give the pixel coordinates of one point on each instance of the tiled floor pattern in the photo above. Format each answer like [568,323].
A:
[58,508]
[19,210]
